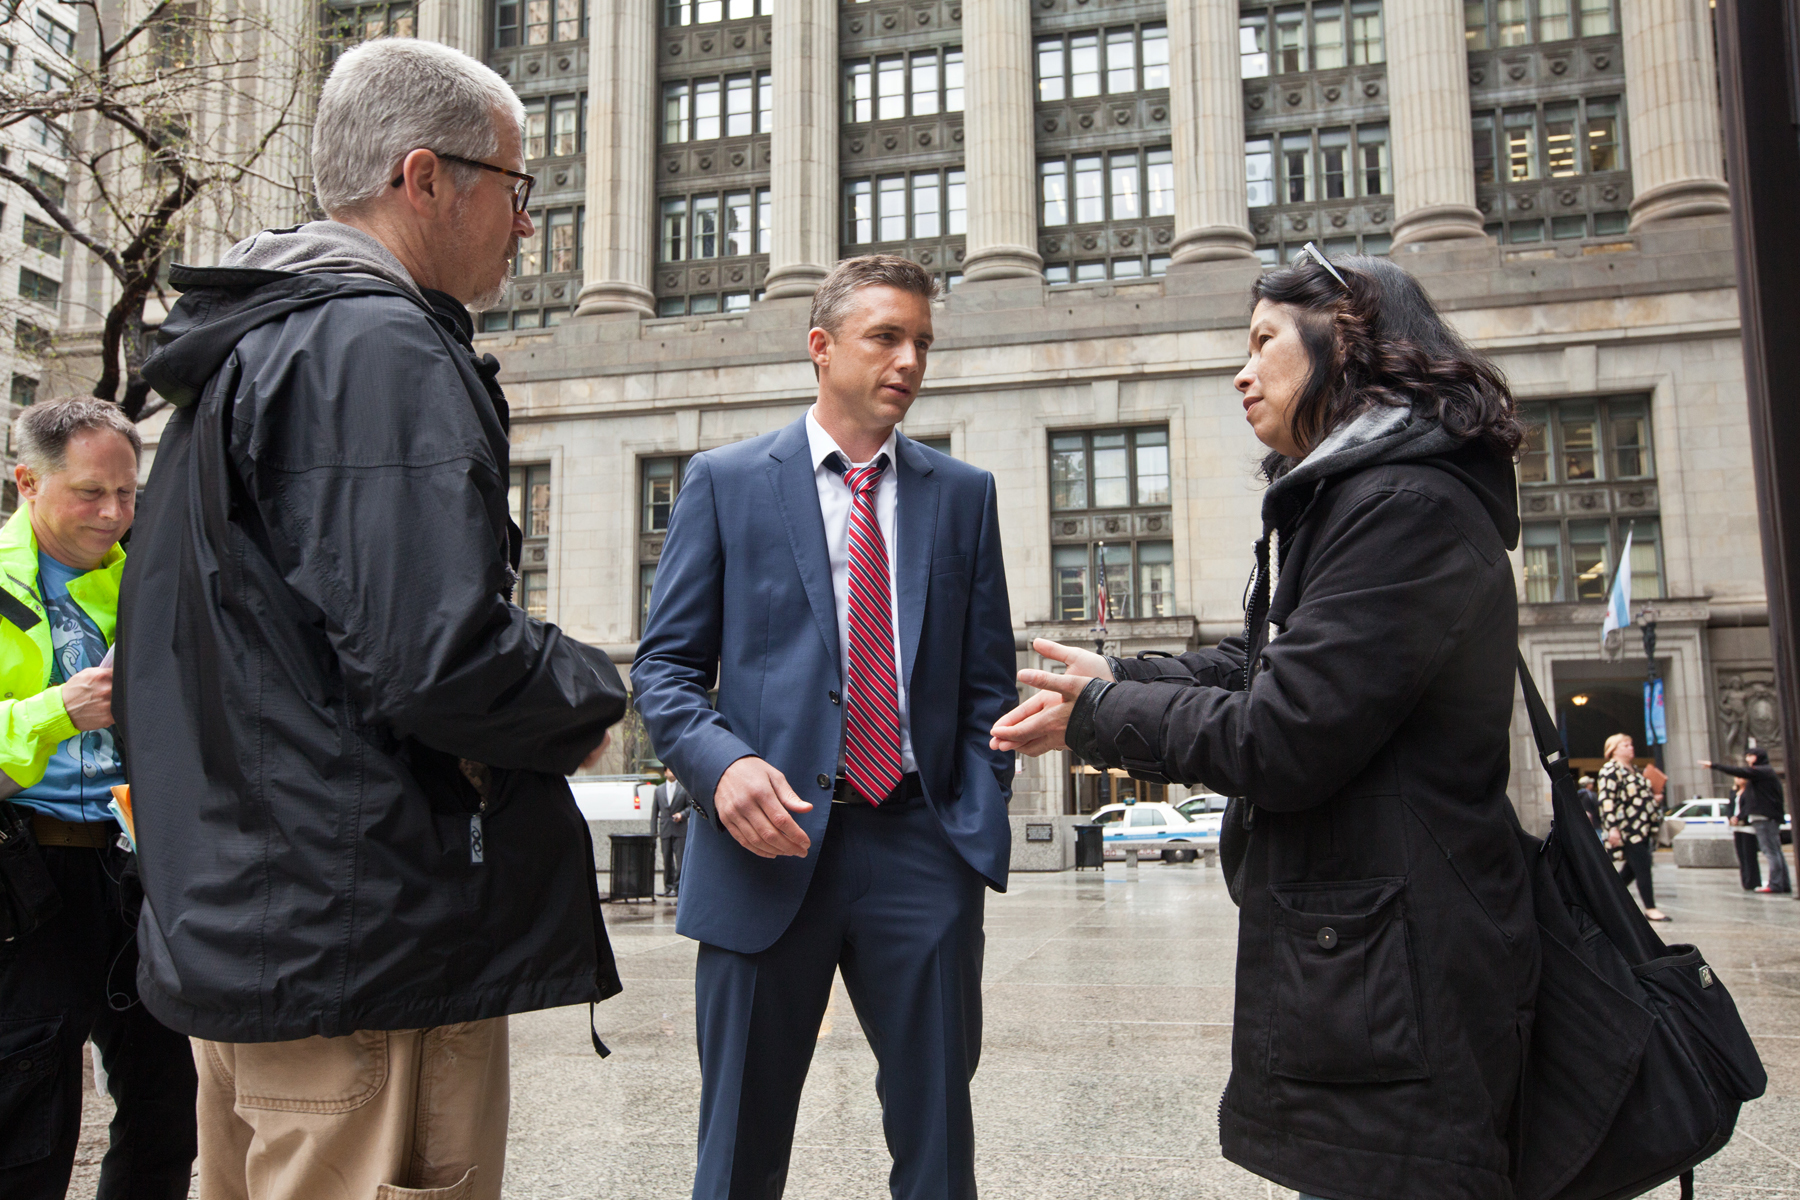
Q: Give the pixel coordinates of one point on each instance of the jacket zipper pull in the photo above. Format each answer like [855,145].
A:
[477,852]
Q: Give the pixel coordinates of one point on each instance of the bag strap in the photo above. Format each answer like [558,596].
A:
[1543,726]
[1602,890]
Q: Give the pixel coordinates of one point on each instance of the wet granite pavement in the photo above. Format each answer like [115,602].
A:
[1108,1010]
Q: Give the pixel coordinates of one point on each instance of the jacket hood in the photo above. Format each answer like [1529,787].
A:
[219,305]
[320,248]
[1396,435]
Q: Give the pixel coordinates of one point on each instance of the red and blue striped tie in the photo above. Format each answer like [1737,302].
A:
[872,697]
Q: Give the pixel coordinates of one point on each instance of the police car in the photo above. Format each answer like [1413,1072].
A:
[1154,828]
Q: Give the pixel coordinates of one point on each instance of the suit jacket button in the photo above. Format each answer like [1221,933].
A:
[834,697]
[1328,937]
[824,781]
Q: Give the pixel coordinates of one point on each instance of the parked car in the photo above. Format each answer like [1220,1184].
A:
[1206,802]
[1716,810]
[1156,827]
[614,798]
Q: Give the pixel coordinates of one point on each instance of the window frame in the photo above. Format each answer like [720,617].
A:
[1059,87]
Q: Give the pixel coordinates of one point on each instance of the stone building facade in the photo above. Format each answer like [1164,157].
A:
[1097,183]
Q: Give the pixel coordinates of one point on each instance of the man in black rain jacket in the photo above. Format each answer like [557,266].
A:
[347,741]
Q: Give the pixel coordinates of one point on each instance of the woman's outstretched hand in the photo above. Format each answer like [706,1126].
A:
[1038,725]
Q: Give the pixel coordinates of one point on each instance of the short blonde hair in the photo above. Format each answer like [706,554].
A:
[1613,742]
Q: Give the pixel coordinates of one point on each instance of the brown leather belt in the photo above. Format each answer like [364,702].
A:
[81,835]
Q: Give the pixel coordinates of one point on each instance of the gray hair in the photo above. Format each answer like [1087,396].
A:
[42,433]
[832,302]
[391,96]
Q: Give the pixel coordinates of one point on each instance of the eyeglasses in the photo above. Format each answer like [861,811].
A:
[521,190]
[1319,258]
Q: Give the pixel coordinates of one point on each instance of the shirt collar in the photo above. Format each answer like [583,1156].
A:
[821,446]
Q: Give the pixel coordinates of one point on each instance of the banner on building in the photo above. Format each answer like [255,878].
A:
[1656,725]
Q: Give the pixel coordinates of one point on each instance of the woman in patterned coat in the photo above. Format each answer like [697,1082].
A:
[1629,813]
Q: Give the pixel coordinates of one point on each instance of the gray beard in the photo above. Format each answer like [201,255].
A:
[495,296]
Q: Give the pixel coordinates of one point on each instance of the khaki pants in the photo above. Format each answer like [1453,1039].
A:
[377,1115]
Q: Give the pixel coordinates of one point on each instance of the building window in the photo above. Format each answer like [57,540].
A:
[699,110]
[29,338]
[555,126]
[1542,143]
[661,480]
[891,87]
[41,288]
[706,12]
[47,183]
[1306,168]
[545,21]
[1123,187]
[24,390]
[720,225]
[47,239]
[1497,24]
[347,25]
[529,497]
[1294,38]
[554,247]
[1115,62]
[897,208]
[59,36]
[1591,456]
[1122,477]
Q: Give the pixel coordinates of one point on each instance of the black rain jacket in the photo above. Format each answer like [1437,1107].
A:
[1387,951]
[347,744]
[1764,797]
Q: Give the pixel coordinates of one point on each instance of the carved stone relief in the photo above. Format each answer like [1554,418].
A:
[1746,708]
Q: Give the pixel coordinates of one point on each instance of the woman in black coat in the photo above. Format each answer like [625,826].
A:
[1387,951]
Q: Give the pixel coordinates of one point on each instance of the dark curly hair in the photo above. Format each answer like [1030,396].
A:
[1380,341]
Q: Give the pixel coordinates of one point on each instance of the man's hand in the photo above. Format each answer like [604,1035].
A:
[680,817]
[1705,762]
[1038,725]
[753,800]
[87,698]
[593,760]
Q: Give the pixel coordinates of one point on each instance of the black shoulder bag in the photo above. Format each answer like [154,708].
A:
[1638,1061]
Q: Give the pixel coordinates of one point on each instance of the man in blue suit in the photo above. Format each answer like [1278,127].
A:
[844,589]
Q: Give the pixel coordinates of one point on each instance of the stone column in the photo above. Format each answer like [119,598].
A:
[999,146]
[621,160]
[803,147]
[1672,112]
[456,23]
[1428,119]
[1206,111]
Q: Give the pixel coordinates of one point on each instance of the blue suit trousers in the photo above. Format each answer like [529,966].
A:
[897,909]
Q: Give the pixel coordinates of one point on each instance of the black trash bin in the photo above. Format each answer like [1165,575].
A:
[1088,849]
[633,866]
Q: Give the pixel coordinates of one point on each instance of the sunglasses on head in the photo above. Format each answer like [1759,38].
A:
[1318,256]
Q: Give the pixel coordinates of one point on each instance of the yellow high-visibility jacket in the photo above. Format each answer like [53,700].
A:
[33,721]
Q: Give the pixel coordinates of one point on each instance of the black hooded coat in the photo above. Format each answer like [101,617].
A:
[347,745]
[1387,950]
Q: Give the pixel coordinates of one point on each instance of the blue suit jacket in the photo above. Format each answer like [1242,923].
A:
[743,597]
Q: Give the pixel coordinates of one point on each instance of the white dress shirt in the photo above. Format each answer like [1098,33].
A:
[834,506]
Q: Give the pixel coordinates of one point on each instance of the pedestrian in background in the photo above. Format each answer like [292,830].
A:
[348,743]
[72,977]
[1387,955]
[669,805]
[1630,812]
[1764,807]
[1743,837]
[1590,803]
